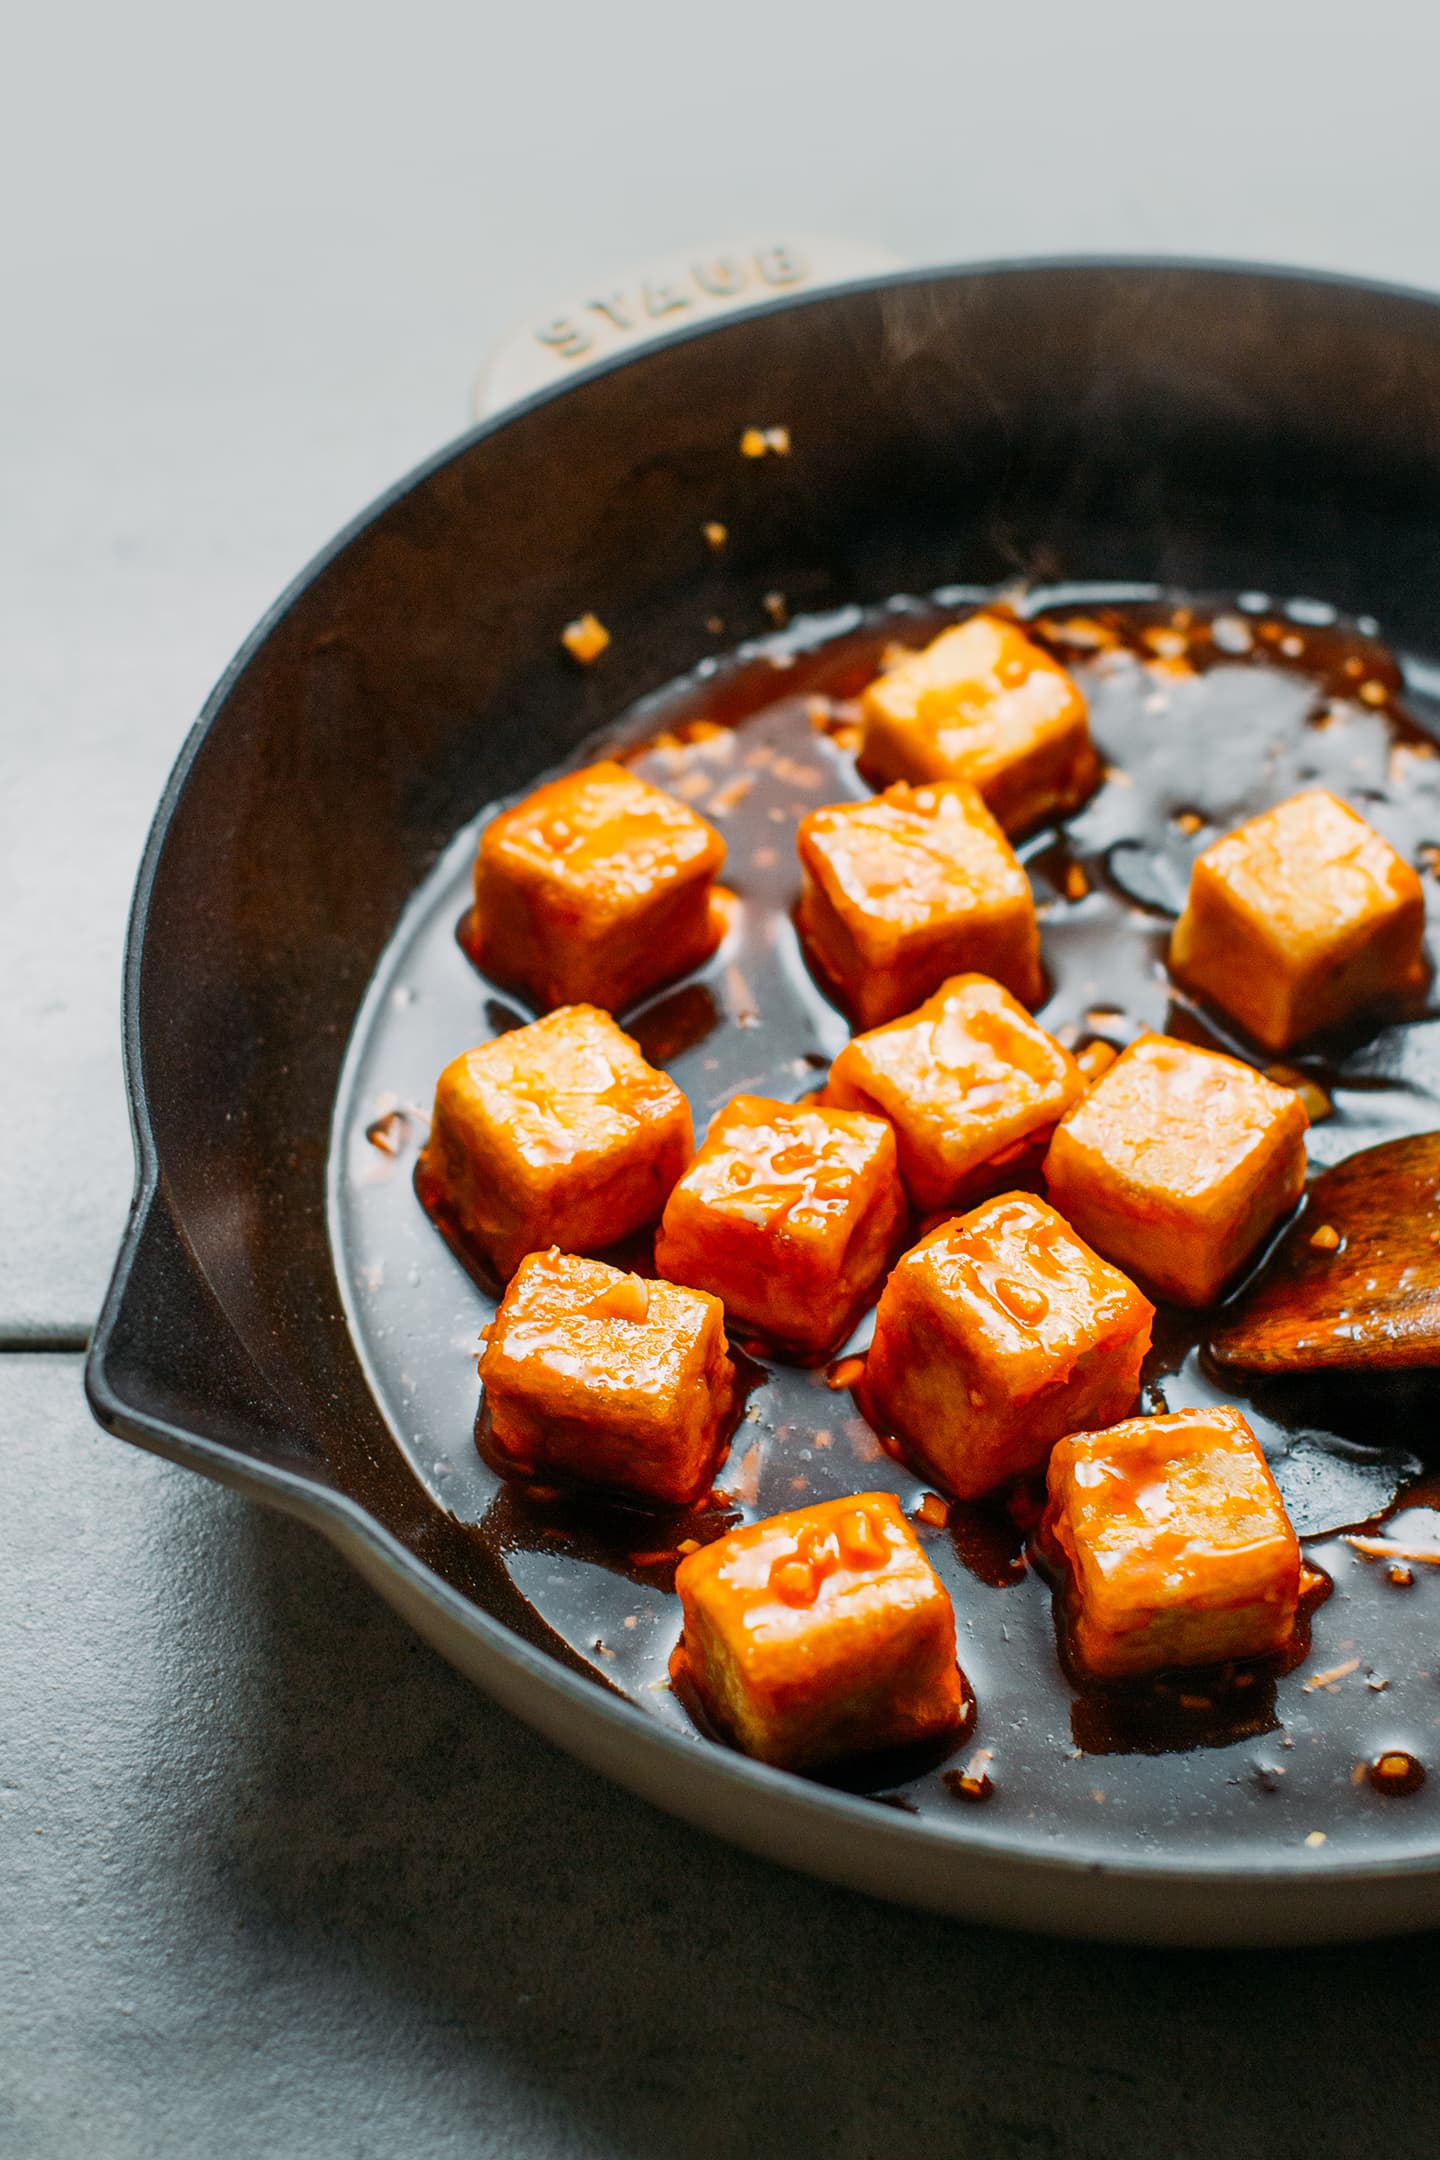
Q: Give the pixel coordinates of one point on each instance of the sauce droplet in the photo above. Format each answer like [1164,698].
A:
[861,1541]
[1096,1058]
[974,1781]
[628,1299]
[389,1133]
[795,1581]
[844,1373]
[1397,1772]
[1315,1584]
[1025,1302]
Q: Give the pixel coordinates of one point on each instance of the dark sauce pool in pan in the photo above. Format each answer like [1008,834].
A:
[1204,711]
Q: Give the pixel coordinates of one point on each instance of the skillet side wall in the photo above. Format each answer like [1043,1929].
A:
[1207,428]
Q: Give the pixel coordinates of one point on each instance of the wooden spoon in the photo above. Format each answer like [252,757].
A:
[1355,1283]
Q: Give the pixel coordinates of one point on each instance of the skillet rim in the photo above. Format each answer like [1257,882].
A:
[382,1556]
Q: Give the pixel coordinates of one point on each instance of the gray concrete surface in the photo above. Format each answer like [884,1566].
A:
[272,1880]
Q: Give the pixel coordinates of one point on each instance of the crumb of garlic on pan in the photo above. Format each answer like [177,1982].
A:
[585,638]
[715,533]
[758,442]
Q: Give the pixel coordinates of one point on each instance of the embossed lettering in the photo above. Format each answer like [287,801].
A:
[565,337]
[613,309]
[720,277]
[781,266]
[661,299]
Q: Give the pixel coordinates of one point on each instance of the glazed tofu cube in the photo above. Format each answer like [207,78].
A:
[1299,921]
[1174,1544]
[595,889]
[912,886]
[972,1085]
[555,1134]
[820,1634]
[995,1336]
[1178,1164]
[599,1378]
[984,703]
[788,1214]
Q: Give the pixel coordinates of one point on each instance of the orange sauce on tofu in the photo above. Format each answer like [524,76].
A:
[1180,1122]
[906,856]
[799,1167]
[1023,1261]
[972,1084]
[605,831]
[1195,738]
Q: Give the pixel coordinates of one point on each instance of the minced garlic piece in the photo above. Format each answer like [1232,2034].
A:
[585,638]
[765,442]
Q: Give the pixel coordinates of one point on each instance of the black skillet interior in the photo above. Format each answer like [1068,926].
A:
[1207,430]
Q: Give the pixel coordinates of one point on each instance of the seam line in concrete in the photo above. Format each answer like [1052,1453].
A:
[41,1341]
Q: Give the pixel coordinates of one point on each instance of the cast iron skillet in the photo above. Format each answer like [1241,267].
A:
[1203,427]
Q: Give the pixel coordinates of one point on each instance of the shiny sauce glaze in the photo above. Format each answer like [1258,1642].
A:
[1203,712]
